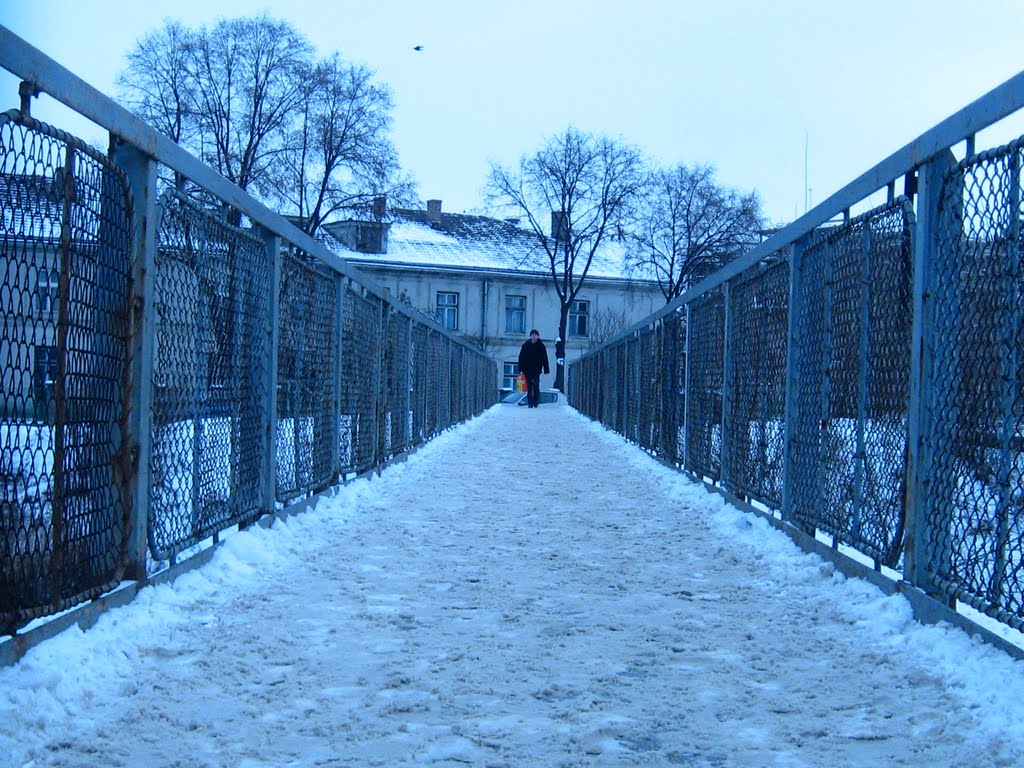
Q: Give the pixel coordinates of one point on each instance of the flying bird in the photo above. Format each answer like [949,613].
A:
[418,48]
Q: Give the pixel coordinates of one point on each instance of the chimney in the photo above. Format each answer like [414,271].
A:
[380,207]
[434,211]
[559,231]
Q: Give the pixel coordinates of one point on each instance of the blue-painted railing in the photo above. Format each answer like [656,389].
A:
[175,364]
[860,376]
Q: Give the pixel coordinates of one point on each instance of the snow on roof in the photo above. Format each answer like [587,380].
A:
[461,240]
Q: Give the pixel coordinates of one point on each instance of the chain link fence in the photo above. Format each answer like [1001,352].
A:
[754,410]
[274,371]
[852,371]
[975,406]
[705,362]
[213,289]
[307,376]
[792,383]
[175,365]
[65,213]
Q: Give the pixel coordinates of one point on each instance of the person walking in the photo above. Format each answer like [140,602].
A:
[533,358]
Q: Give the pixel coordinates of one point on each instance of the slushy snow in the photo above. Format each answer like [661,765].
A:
[526,590]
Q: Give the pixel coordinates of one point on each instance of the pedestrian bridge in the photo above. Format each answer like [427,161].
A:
[176,371]
[527,590]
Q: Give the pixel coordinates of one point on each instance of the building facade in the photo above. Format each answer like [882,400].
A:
[489,280]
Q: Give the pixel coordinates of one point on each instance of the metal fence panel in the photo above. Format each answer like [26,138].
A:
[976,403]
[445,373]
[852,364]
[419,363]
[307,427]
[359,387]
[399,382]
[706,371]
[209,407]
[65,214]
[648,371]
[759,307]
[435,379]
[673,386]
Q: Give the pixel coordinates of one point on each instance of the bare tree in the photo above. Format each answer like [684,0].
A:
[341,155]
[686,226]
[247,97]
[247,75]
[157,86]
[584,183]
[606,324]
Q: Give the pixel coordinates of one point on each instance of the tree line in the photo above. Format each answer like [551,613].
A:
[311,137]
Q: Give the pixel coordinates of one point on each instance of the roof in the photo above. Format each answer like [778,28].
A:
[465,241]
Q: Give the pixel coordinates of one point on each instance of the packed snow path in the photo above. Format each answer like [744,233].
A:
[526,591]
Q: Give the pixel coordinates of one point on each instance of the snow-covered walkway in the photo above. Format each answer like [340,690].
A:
[528,590]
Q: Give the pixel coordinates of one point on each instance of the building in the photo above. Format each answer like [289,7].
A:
[489,280]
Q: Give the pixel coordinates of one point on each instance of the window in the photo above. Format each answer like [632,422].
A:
[47,288]
[44,378]
[448,310]
[509,374]
[578,312]
[515,314]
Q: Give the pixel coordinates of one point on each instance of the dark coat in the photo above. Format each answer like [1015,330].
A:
[533,357]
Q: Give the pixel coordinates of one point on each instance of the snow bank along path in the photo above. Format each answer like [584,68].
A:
[528,590]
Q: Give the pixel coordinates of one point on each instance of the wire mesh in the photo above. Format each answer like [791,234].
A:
[435,378]
[852,366]
[421,383]
[445,372]
[673,386]
[706,352]
[585,386]
[209,390]
[648,369]
[755,411]
[361,341]
[65,218]
[352,374]
[623,389]
[307,381]
[399,382]
[975,405]
[629,371]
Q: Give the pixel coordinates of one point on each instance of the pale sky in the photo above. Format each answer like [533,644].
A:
[751,87]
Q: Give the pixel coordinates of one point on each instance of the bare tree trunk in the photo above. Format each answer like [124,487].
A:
[563,323]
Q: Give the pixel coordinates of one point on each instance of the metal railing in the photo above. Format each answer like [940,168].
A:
[177,364]
[860,378]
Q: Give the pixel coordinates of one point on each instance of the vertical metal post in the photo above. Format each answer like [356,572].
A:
[140,171]
[918,543]
[271,329]
[793,350]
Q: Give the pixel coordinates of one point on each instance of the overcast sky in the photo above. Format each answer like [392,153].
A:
[751,87]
